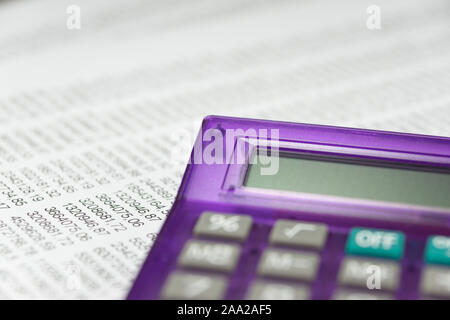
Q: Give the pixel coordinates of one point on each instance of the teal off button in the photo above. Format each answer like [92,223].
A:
[438,250]
[376,243]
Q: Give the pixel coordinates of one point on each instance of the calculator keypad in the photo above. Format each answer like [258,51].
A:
[298,234]
[291,251]
[282,263]
[209,255]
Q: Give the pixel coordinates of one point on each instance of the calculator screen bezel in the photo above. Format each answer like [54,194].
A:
[235,190]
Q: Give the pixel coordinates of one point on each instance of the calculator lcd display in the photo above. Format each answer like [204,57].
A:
[357,179]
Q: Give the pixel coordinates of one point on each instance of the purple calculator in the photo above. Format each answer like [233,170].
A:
[277,210]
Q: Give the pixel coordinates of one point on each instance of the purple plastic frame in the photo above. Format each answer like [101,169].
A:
[218,187]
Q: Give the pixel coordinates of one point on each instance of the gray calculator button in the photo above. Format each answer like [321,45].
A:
[181,285]
[300,234]
[264,290]
[369,274]
[209,255]
[288,264]
[435,282]
[343,294]
[230,226]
